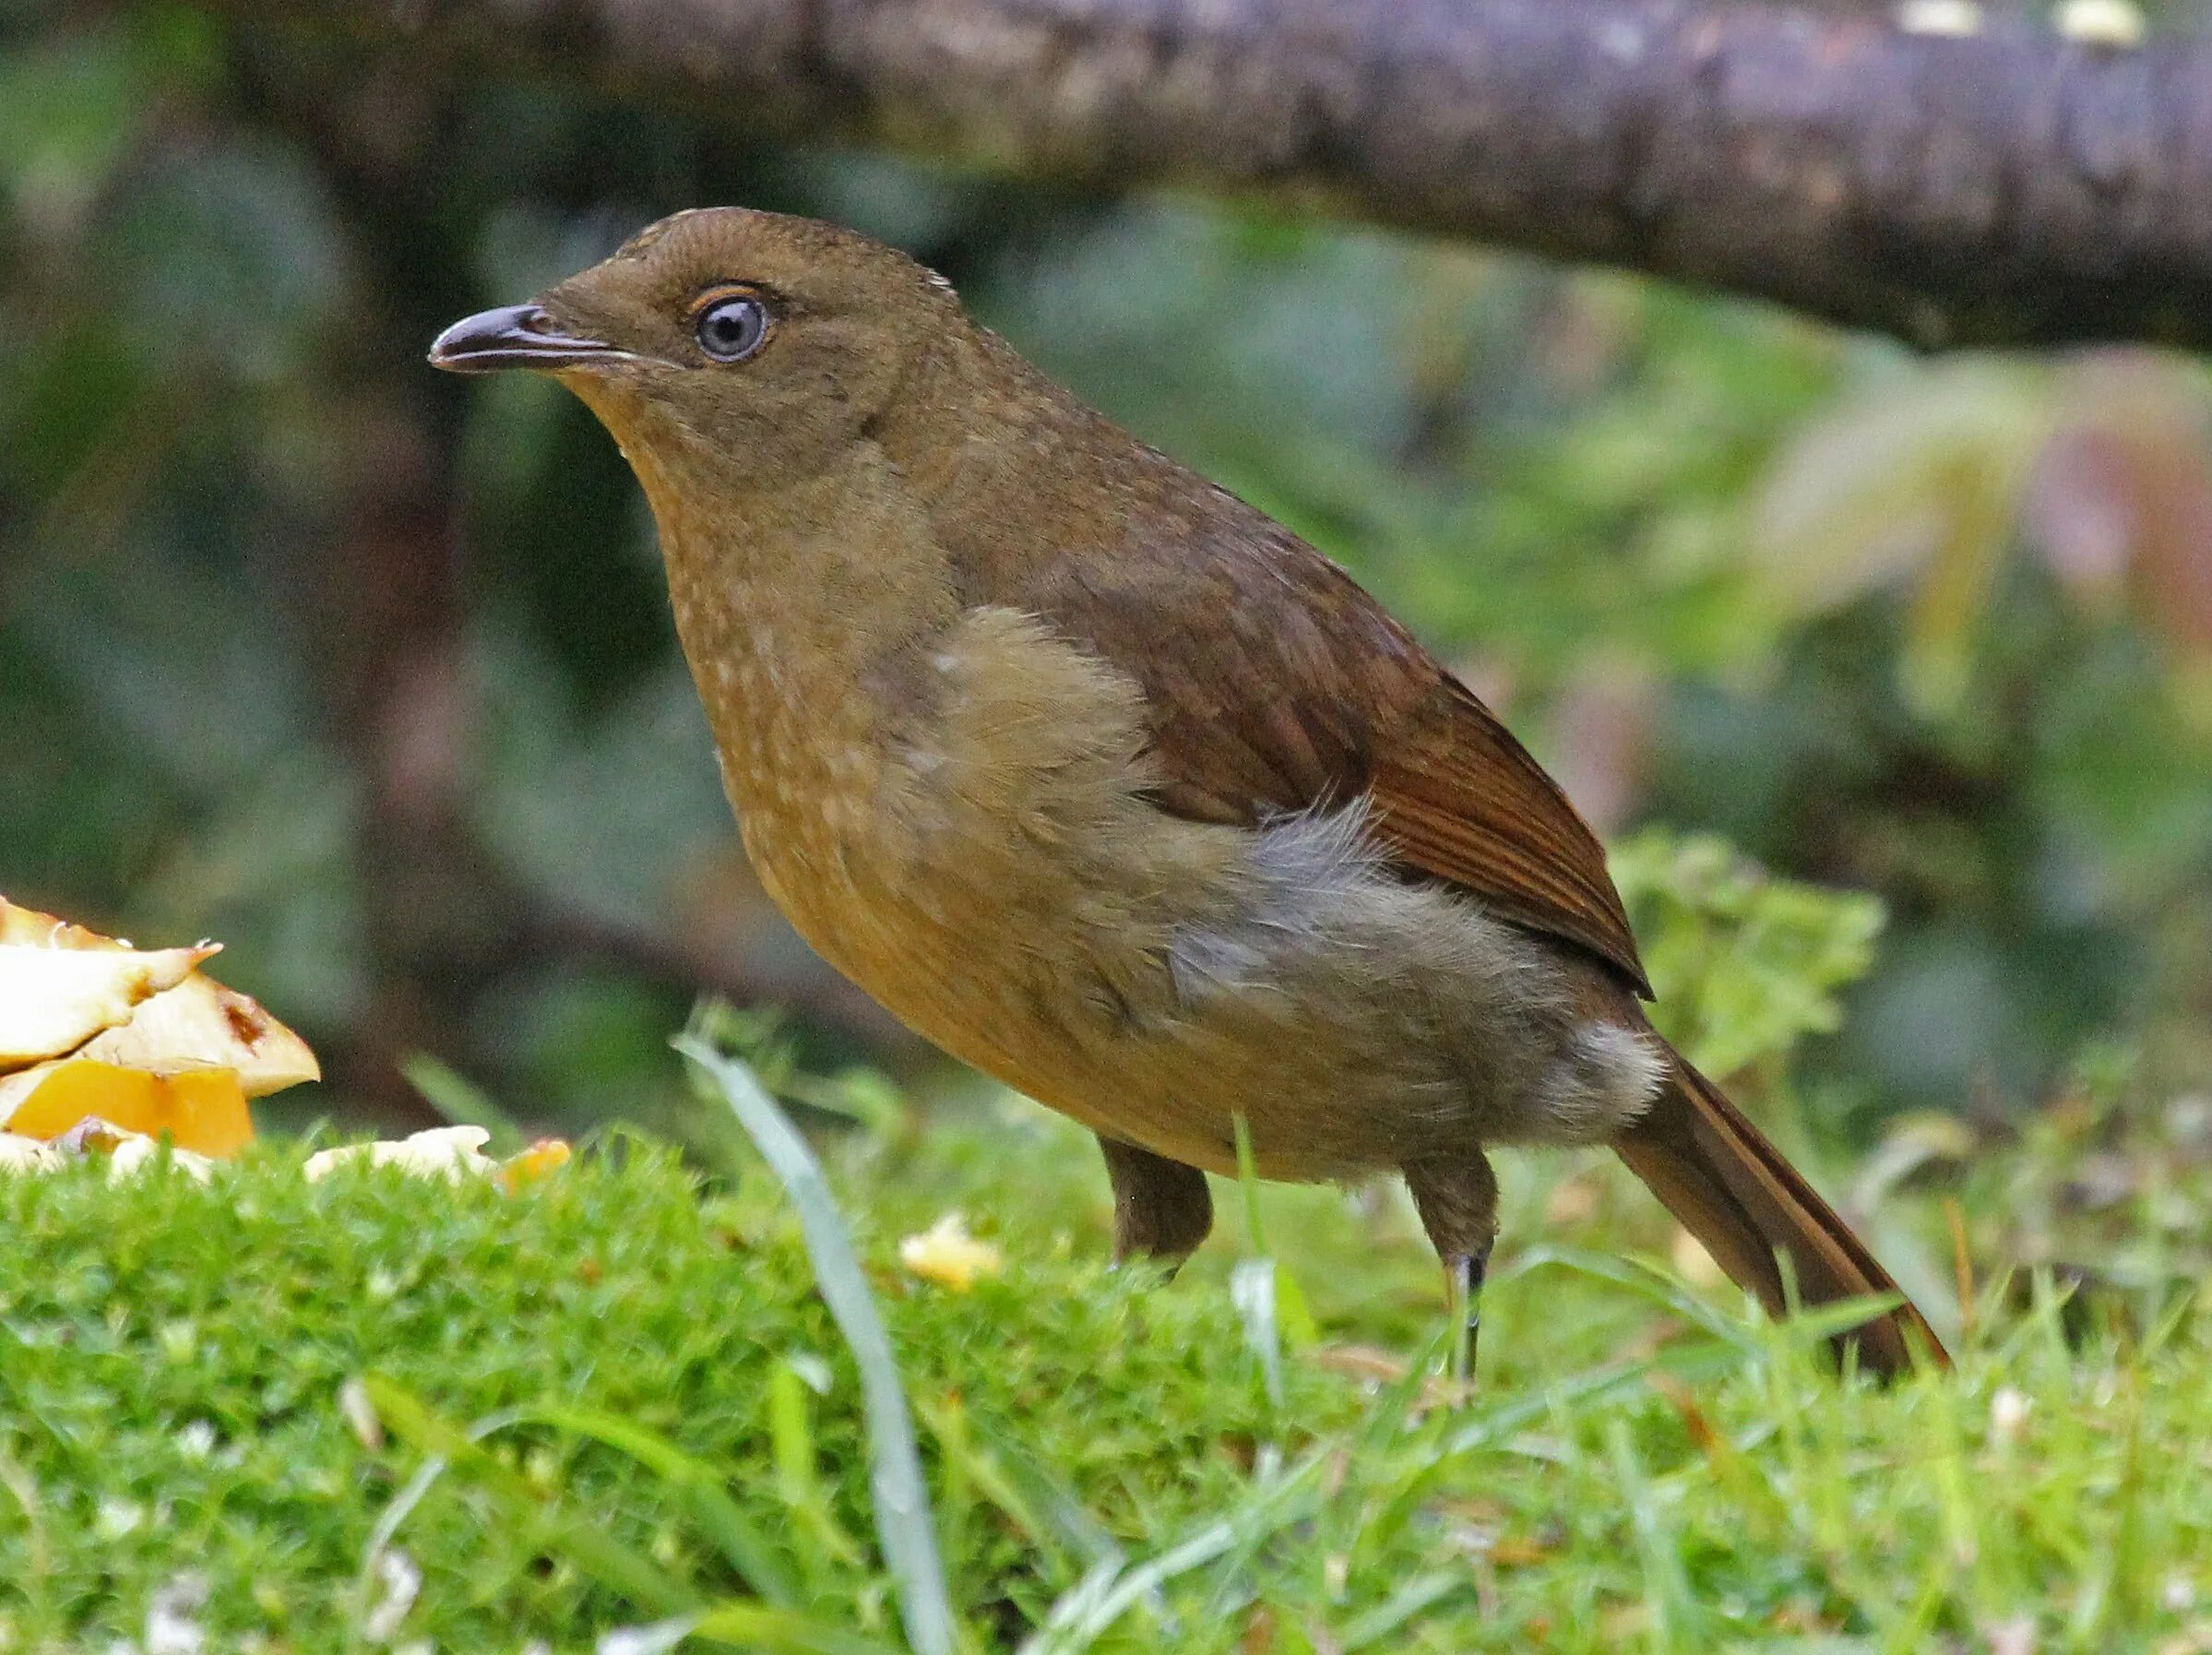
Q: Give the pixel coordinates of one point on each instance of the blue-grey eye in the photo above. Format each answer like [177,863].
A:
[732,330]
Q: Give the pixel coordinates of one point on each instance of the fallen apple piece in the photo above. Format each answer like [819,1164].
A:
[202,1109]
[163,1050]
[450,1152]
[138,1153]
[54,1000]
[453,1153]
[201,1022]
[30,928]
[20,1154]
[946,1254]
[547,1156]
[128,1153]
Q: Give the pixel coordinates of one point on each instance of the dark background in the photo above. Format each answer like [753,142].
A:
[367,672]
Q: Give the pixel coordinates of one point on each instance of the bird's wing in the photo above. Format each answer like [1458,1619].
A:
[1275,684]
[1458,797]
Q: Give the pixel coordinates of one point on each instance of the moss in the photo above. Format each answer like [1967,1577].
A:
[173,1359]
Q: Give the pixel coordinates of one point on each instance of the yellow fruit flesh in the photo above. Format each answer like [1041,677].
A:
[202,1109]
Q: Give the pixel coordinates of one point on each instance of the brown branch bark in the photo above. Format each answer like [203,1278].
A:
[2010,189]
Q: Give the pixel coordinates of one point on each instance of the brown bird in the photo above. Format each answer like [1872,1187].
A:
[1112,787]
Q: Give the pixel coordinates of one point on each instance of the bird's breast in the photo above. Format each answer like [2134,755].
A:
[959,825]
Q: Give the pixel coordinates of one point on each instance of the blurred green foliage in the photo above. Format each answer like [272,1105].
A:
[368,673]
[1742,965]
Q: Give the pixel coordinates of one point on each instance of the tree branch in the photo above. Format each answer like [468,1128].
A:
[2005,188]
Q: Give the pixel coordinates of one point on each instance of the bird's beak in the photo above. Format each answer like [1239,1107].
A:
[514,336]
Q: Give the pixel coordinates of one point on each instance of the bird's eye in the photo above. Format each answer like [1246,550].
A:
[730,329]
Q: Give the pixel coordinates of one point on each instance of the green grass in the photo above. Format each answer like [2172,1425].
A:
[236,1385]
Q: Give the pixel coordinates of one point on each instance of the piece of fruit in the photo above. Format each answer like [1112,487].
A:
[202,1109]
[450,1152]
[199,1022]
[33,929]
[134,1153]
[54,1000]
[18,1154]
[547,1156]
[93,1028]
[947,1254]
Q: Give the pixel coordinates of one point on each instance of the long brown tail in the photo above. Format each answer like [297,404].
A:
[1735,1193]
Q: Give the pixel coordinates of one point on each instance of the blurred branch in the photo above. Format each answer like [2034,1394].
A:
[2003,187]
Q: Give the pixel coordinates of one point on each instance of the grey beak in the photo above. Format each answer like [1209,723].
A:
[514,336]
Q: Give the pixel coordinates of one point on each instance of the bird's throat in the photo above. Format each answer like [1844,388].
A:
[800,608]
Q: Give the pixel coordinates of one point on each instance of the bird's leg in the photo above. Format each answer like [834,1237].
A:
[1459,1205]
[1162,1209]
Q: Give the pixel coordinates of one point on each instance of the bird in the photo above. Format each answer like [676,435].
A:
[1112,787]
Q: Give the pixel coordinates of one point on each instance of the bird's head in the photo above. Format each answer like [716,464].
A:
[764,346]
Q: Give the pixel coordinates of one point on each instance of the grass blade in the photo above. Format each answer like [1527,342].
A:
[747,1549]
[743,1626]
[585,1544]
[1644,1279]
[1707,1360]
[1417,1596]
[792,1450]
[1294,1322]
[1252,1290]
[903,1518]
[775,1631]
[1666,1587]
[461,1100]
[1087,1613]
[399,1508]
[1802,1327]
[1035,1500]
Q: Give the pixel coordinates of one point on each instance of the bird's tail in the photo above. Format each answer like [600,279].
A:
[1735,1193]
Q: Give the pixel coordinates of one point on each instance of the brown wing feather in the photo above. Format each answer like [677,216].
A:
[1458,798]
[1275,684]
